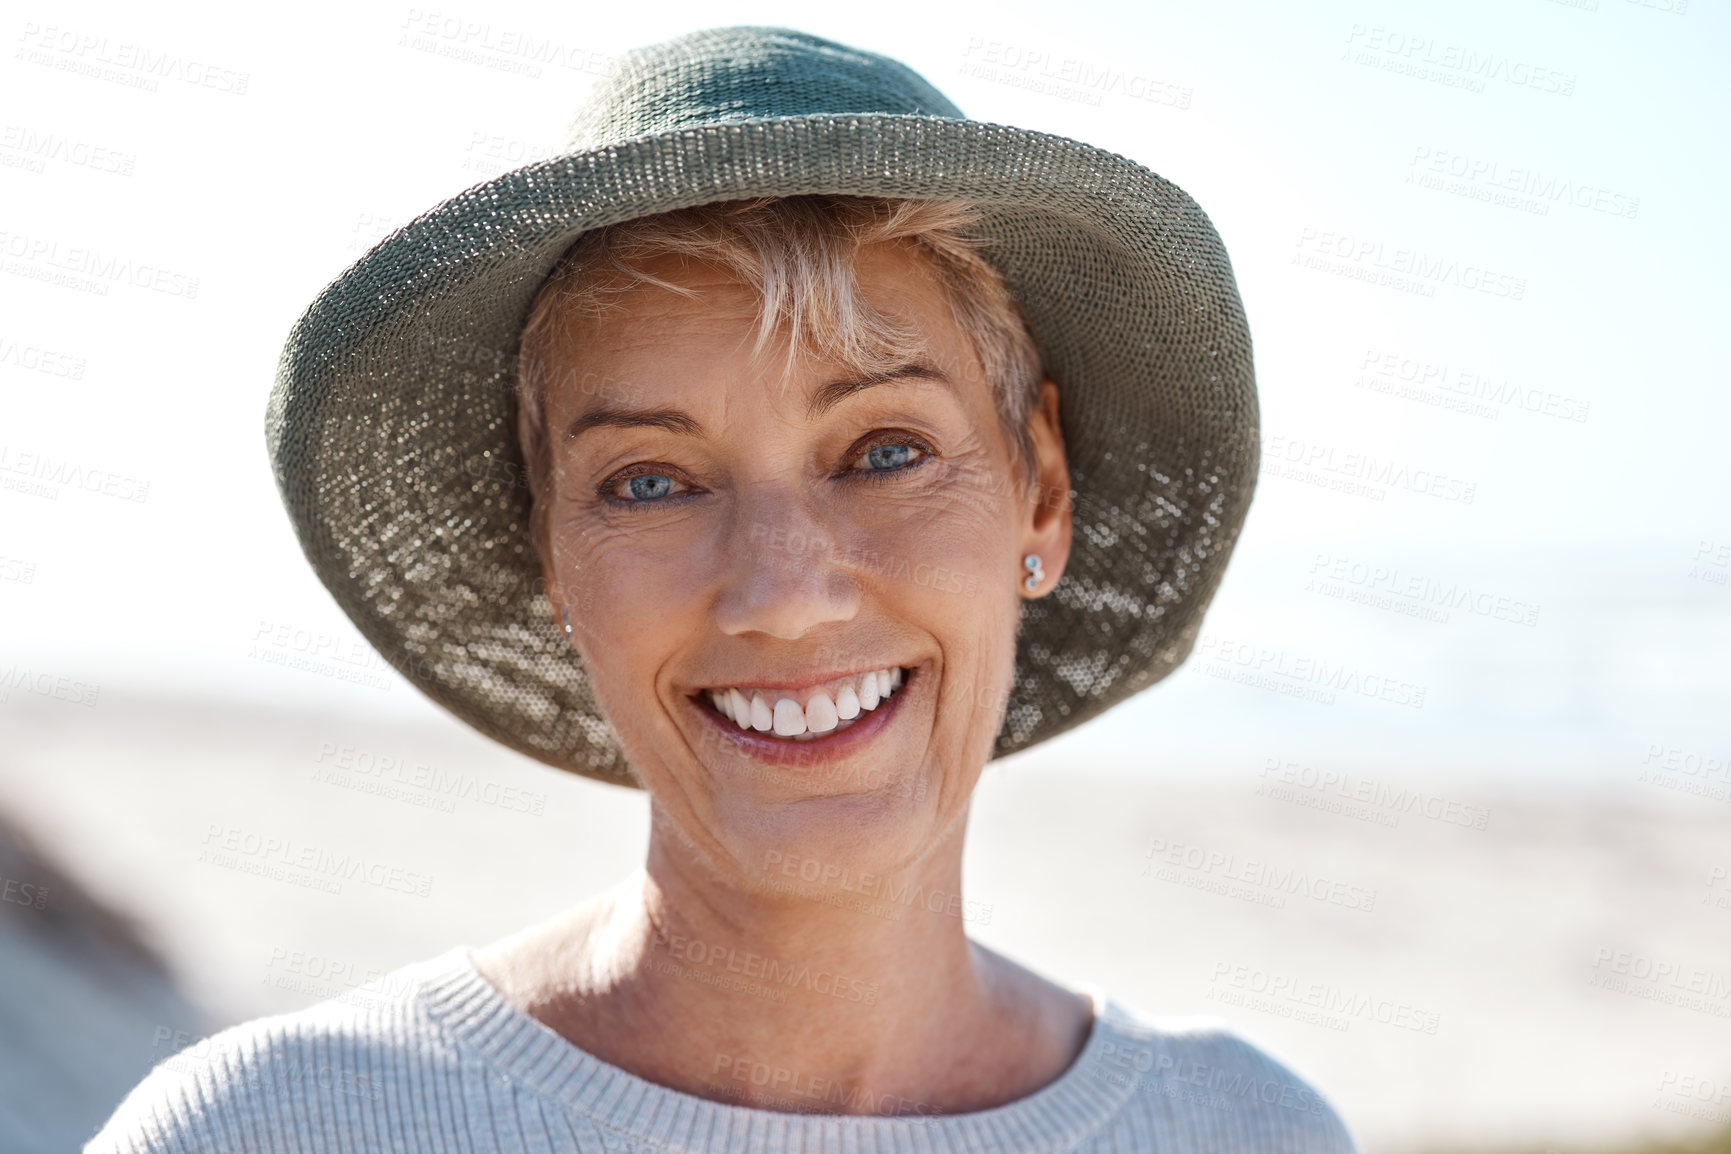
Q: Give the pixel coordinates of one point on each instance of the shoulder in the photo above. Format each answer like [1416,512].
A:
[316,1079]
[1205,1085]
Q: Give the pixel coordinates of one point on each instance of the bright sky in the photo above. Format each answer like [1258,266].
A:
[1484,241]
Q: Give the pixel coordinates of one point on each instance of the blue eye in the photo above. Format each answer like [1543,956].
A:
[890,456]
[644,488]
[648,486]
[891,460]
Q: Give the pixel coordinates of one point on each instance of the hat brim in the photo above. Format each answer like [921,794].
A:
[391,427]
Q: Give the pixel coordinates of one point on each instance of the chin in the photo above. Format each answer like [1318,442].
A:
[824,835]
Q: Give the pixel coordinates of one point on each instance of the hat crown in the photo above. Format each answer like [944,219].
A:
[733,75]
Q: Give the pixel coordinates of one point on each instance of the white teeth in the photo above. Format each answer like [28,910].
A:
[821,714]
[769,710]
[789,718]
[847,703]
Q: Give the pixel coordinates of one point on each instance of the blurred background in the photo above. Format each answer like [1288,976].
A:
[1483,251]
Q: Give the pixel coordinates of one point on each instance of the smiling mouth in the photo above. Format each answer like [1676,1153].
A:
[806,715]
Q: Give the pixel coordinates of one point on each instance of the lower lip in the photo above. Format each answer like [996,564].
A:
[818,751]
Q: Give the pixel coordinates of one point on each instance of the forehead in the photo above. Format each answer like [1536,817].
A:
[709,312]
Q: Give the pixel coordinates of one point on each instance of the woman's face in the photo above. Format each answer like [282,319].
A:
[719,530]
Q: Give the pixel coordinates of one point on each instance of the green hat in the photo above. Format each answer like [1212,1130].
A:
[392,423]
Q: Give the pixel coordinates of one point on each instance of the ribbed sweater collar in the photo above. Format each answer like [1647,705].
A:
[476,1015]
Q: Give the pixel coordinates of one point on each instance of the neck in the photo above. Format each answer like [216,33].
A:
[862,996]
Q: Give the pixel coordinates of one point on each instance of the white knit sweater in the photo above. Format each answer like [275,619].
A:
[433,1060]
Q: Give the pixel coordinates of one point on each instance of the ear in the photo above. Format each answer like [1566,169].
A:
[1046,508]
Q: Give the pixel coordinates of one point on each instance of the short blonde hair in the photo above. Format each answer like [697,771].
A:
[798,254]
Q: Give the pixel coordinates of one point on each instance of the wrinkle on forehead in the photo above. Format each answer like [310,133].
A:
[705,301]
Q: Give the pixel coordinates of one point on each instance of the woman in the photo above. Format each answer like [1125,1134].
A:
[789,449]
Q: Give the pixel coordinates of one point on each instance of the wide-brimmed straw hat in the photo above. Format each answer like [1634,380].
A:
[392,423]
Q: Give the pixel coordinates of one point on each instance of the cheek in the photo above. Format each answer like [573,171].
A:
[612,568]
[632,599]
[939,557]
[955,543]
[950,568]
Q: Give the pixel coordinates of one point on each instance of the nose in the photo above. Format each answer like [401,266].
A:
[784,572]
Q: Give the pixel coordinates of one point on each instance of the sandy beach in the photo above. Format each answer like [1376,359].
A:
[1453,966]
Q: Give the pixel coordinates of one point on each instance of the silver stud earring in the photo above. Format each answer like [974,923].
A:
[565,614]
[1036,574]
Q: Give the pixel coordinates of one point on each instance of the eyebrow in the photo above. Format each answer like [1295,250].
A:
[683,423]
